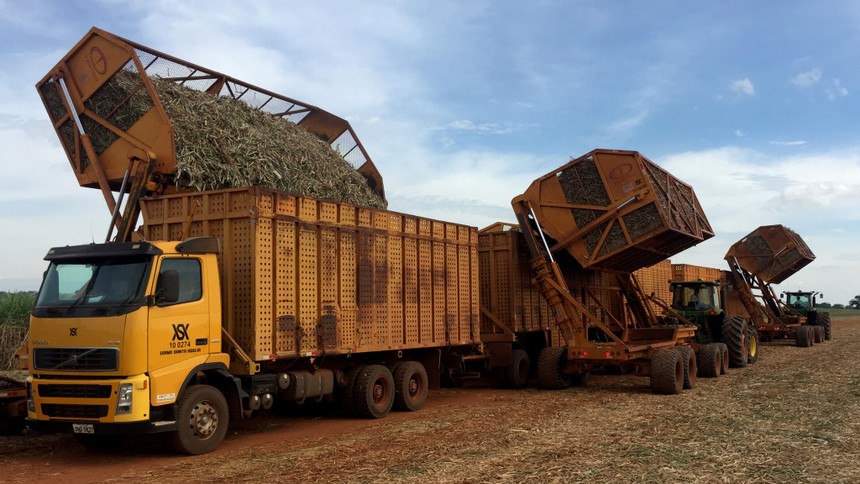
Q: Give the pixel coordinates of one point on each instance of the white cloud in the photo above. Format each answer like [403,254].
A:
[740,134]
[743,87]
[807,79]
[485,128]
[837,90]
[788,143]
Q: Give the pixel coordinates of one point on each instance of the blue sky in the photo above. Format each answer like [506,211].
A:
[462,104]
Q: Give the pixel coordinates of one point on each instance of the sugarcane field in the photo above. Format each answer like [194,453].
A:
[543,254]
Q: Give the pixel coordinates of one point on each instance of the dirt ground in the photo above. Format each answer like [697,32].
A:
[792,417]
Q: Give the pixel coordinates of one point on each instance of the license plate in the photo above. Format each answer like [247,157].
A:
[83,428]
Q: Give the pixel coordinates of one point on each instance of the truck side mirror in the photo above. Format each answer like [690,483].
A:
[167,287]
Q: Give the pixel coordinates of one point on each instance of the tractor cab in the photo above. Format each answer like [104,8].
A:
[694,296]
[699,302]
[802,302]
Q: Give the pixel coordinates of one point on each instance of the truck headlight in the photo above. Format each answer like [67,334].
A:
[124,398]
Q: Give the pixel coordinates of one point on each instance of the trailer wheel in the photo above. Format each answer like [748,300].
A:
[551,368]
[688,362]
[734,336]
[824,320]
[411,386]
[202,417]
[667,372]
[804,336]
[818,334]
[724,358]
[517,373]
[374,391]
[709,359]
[752,345]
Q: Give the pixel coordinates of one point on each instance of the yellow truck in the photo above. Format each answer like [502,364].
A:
[226,300]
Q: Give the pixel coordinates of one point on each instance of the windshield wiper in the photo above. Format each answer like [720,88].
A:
[86,292]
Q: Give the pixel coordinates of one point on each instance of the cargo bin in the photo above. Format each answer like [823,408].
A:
[772,253]
[109,81]
[689,272]
[617,211]
[508,294]
[304,277]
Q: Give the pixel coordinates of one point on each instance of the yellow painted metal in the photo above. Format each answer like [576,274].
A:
[305,277]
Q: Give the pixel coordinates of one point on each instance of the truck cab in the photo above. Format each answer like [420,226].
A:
[120,331]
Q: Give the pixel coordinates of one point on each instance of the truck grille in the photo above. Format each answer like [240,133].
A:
[74,391]
[76,359]
[74,411]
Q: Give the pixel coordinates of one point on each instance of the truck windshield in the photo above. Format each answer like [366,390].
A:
[92,288]
[693,297]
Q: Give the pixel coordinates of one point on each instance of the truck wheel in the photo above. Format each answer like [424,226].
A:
[724,358]
[804,337]
[824,318]
[709,360]
[517,373]
[688,361]
[551,368]
[667,372]
[411,386]
[734,336]
[202,419]
[374,391]
[818,334]
[752,345]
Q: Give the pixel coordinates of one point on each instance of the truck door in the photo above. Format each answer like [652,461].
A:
[178,322]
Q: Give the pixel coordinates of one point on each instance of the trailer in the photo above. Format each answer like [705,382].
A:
[769,255]
[612,211]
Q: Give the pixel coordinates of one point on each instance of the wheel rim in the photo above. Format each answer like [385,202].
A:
[204,420]
[414,386]
[753,347]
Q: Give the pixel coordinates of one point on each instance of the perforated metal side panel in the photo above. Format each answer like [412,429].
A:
[305,277]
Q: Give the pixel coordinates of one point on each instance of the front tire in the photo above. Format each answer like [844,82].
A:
[752,345]
[202,417]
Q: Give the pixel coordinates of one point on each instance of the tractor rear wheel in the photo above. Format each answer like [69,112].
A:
[551,368]
[667,372]
[688,361]
[709,359]
[824,319]
[734,336]
[804,336]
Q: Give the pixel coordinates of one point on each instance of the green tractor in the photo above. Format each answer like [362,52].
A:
[699,302]
[803,302]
